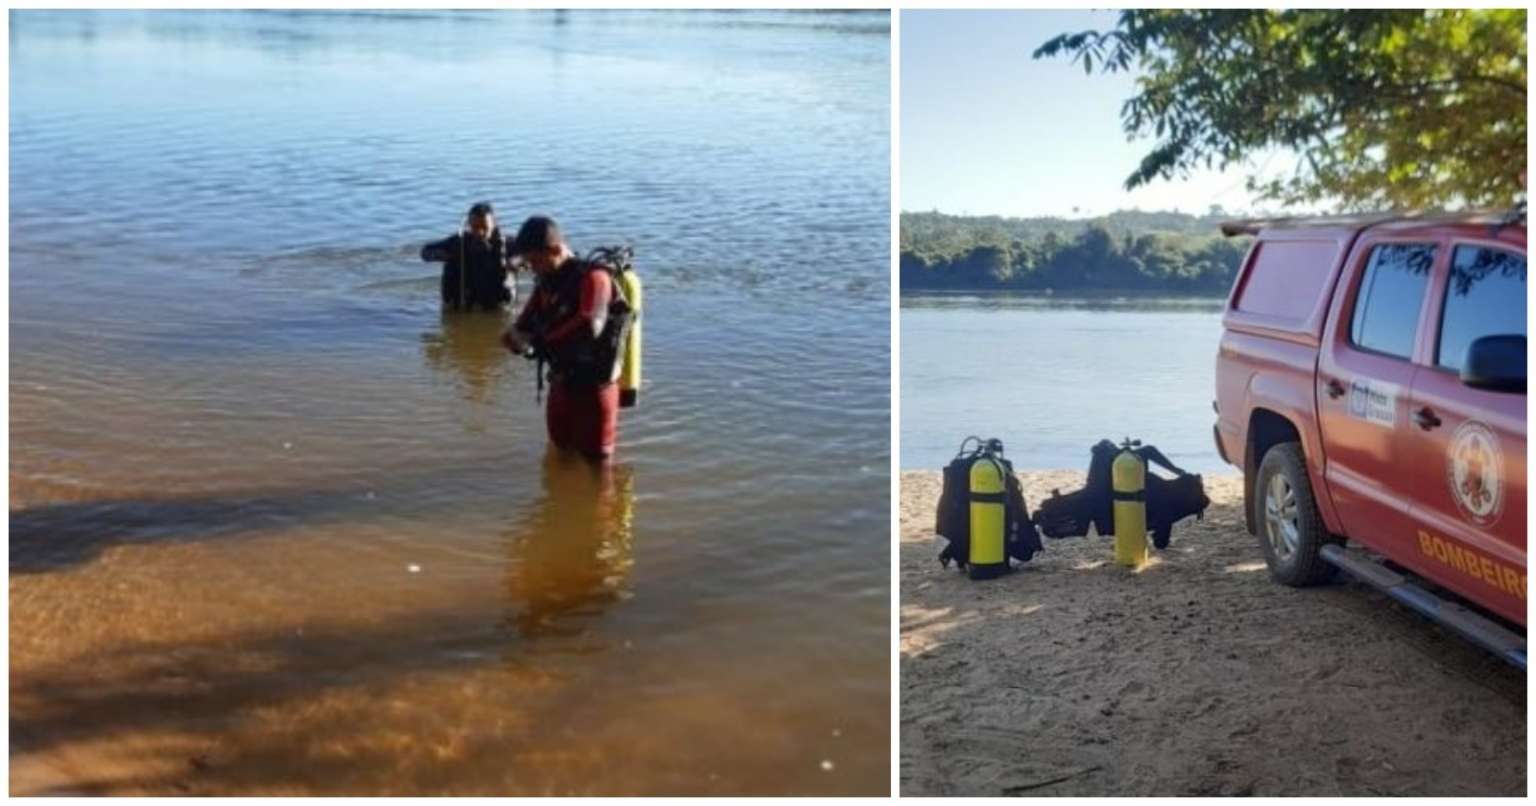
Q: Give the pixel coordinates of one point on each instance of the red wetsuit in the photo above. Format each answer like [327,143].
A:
[581,417]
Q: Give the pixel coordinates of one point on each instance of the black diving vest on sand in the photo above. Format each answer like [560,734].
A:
[953,516]
[1168,500]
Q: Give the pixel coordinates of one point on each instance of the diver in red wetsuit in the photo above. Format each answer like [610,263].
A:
[566,321]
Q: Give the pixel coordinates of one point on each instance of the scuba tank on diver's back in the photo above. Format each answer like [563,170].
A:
[628,282]
[619,262]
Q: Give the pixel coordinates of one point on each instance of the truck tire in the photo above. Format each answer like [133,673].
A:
[1291,531]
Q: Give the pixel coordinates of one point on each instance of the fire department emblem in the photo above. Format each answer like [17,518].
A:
[1473,471]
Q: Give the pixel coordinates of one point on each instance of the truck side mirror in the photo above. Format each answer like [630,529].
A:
[1495,363]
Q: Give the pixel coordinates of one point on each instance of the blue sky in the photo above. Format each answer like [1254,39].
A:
[985,129]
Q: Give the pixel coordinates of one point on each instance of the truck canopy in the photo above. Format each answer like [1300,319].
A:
[1283,287]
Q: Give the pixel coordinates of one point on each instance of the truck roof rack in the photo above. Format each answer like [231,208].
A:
[1252,226]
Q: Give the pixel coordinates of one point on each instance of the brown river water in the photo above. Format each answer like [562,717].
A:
[279,525]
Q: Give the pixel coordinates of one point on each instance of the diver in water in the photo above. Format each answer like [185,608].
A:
[568,323]
[475,263]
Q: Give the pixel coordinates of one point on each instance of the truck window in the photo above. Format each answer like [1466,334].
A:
[1285,278]
[1484,296]
[1391,292]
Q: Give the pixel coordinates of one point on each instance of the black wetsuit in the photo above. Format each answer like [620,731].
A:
[484,286]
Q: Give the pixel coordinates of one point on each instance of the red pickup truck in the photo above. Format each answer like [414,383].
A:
[1371,384]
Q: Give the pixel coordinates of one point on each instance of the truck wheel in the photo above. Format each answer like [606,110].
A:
[1291,531]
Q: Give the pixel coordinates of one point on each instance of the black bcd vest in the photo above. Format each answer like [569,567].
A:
[1168,500]
[589,361]
[475,272]
[953,517]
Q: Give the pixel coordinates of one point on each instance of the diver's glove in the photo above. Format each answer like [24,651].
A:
[536,348]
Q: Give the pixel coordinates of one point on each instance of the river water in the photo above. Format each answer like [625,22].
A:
[279,525]
[1052,376]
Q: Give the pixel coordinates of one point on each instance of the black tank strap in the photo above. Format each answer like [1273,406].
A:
[538,370]
[1155,456]
[967,441]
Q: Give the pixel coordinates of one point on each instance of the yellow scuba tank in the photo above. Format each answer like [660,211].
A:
[629,361]
[989,550]
[1128,484]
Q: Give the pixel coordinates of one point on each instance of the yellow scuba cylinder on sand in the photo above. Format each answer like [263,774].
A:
[629,374]
[989,550]
[1128,484]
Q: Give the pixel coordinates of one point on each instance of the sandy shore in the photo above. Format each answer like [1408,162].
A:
[1197,676]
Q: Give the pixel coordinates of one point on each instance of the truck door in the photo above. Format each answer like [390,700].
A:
[1468,445]
[1364,378]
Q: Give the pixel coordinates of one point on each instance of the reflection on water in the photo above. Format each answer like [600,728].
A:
[572,553]
[279,525]
[467,347]
[1052,376]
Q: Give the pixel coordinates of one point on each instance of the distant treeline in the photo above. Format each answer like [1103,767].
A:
[1127,251]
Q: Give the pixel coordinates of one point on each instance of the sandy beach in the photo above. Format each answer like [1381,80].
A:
[1196,676]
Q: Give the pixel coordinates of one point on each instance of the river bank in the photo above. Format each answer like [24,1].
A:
[1197,676]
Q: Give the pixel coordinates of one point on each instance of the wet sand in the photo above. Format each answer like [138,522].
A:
[1197,676]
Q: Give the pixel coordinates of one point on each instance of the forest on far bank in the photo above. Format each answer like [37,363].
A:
[1128,251]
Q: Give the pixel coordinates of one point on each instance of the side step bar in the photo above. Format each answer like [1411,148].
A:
[1478,629]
